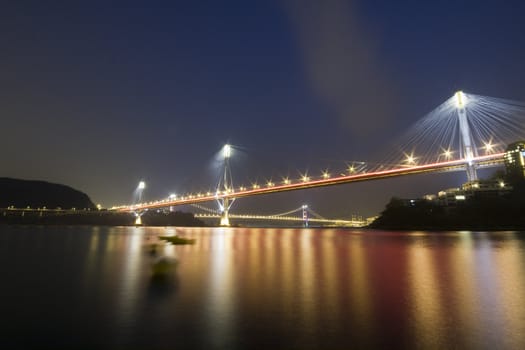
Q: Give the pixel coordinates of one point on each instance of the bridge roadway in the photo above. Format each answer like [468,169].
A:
[451,165]
[334,222]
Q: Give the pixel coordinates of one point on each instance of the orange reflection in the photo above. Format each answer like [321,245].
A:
[427,310]
[510,274]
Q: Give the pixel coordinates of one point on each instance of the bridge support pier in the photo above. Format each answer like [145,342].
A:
[138,218]
[225,220]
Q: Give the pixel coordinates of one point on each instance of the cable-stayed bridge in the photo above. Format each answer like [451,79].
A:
[465,133]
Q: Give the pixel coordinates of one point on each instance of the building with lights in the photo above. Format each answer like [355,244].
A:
[477,189]
[514,161]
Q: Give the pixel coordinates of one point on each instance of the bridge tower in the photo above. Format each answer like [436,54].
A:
[468,148]
[138,198]
[305,215]
[225,186]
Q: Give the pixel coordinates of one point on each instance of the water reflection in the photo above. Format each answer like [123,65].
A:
[508,290]
[427,307]
[266,288]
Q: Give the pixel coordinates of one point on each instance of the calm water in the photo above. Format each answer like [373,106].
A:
[89,287]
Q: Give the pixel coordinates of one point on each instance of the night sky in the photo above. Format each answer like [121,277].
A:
[101,95]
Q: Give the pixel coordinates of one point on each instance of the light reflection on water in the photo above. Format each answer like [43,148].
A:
[262,288]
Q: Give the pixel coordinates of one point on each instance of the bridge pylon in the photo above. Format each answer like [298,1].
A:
[138,199]
[305,215]
[467,144]
[225,186]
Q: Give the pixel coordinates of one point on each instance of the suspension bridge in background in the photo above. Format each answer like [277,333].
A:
[303,215]
[465,133]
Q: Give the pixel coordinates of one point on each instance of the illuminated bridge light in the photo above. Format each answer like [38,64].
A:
[326,175]
[305,178]
[447,154]
[270,184]
[227,151]
[410,159]
[460,99]
[488,147]
[286,181]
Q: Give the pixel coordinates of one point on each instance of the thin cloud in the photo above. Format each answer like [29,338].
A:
[343,65]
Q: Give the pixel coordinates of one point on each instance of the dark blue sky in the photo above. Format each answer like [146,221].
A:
[99,95]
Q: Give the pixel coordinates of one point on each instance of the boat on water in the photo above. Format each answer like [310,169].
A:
[163,268]
[177,240]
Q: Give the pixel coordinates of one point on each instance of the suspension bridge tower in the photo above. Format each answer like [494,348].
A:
[467,146]
[305,215]
[225,186]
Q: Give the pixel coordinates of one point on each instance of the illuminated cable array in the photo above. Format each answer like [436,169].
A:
[492,123]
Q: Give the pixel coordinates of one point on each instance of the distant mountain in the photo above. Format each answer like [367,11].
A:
[38,194]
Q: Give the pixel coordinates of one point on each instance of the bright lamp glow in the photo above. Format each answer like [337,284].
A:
[227,151]
[142,185]
[488,147]
[410,159]
[460,99]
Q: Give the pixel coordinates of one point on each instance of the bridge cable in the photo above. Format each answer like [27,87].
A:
[202,207]
[318,216]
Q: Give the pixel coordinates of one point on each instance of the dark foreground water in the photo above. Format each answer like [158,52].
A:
[90,287]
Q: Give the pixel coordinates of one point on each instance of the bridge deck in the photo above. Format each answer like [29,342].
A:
[453,165]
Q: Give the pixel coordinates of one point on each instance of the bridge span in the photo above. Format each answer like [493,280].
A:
[240,192]
[451,137]
[320,221]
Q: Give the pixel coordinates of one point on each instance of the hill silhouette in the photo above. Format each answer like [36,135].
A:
[39,194]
